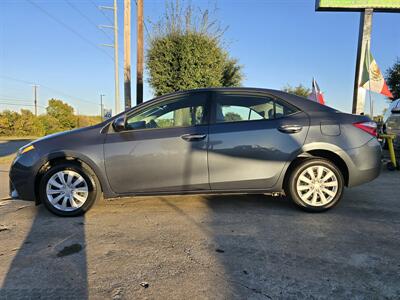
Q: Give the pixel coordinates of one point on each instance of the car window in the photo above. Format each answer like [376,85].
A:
[232,113]
[179,112]
[234,108]
[282,110]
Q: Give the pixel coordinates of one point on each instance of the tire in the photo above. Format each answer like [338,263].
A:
[298,188]
[83,191]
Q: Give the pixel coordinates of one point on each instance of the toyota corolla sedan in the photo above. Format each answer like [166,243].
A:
[219,140]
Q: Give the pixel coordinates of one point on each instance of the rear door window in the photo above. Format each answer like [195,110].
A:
[247,107]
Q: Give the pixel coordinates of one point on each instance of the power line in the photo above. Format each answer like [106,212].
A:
[144,23]
[48,88]
[86,18]
[15,104]
[68,28]
[13,98]
[102,12]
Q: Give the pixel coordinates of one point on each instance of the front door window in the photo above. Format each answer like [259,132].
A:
[179,112]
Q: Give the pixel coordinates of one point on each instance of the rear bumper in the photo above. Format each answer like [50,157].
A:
[363,163]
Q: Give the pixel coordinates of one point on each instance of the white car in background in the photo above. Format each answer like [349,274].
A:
[391,122]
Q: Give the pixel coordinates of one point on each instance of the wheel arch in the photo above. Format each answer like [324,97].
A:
[318,153]
[65,157]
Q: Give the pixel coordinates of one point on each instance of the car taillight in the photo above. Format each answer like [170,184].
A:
[369,127]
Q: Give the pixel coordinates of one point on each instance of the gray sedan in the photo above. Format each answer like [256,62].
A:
[219,140]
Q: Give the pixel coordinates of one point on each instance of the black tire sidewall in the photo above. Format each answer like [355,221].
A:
[85,173]
[295,175]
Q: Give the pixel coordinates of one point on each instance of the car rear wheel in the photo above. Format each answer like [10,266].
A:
[69,189]
[316,185]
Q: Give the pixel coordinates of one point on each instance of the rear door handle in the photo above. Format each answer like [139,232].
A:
[193,137]
[290,128]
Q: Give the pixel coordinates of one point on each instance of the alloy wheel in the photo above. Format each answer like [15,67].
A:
[317,185]
[67,190]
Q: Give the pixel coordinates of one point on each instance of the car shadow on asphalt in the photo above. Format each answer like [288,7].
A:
[271,249]
[51,263]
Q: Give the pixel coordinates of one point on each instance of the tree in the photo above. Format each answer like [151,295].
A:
[7,121]
[50,124]
[185,52]
[27,124]
[299,90]
[20,124]
[393,79]
[63,113]
[232,117]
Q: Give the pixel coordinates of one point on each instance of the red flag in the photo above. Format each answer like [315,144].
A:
[316,94]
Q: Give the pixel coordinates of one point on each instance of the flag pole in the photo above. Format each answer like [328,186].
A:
[371,108]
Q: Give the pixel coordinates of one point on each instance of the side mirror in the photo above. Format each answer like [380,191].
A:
[396,110]
[119,124]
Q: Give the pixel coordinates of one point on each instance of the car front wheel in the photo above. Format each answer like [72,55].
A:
[69,189]
[316,185]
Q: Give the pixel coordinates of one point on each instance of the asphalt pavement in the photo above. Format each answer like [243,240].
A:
[206,247]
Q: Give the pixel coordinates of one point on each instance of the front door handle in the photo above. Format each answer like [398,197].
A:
[193,137]
[290,128]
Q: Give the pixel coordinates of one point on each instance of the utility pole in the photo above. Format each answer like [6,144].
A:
[115,46]
[77,118]
[35,86]
[127,53]
[101,106]
[117,106]
[139,65]
[364,38]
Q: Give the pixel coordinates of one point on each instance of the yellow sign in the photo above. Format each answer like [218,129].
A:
[378,5]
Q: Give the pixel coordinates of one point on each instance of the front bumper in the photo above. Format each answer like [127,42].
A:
[22,177]
[363,163]
[13,191]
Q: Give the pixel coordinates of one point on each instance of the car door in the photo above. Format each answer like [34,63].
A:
[251,137]
[163,147]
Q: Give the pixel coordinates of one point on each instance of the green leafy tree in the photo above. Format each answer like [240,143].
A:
[185,52]
[63,113]
[232,117]
[20,124]
[59,117]
[7,122]
[393,79]
[299,90]
[27,124]
[50,124]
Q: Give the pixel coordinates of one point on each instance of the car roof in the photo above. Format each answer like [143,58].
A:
[300,102]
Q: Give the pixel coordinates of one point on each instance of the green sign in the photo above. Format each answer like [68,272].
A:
[358,5]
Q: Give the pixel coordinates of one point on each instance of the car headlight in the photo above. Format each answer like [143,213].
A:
[26,149]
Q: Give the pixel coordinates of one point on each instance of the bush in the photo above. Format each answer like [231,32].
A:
[60,117]
[185,54]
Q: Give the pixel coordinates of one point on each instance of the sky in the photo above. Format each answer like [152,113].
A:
[57,45]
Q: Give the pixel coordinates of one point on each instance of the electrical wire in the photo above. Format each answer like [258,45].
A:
[15,104]
[144,23]
[102,12]
[87,18]
[69,28]
[48,88]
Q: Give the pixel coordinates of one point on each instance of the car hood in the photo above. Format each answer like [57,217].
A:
[62,134]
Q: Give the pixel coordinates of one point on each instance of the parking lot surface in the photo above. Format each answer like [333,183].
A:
[207,246]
